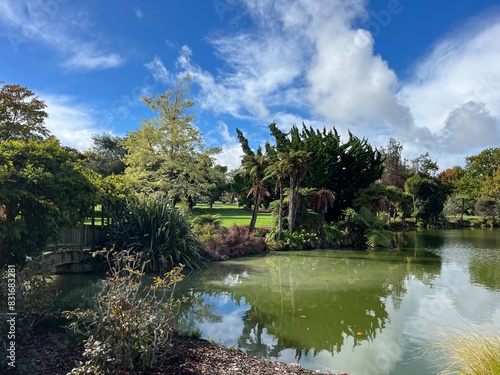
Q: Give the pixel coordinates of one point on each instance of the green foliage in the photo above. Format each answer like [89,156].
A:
[297,240]
[130,322]
[107,155]
[487,208]
[254,166]
[343,168]
[429,202]
[333,235]
[167,153]
[34,298]
[150,225]
[45,191]
[201,220]
[363,228]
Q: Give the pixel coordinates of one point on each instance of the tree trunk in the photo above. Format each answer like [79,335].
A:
[254,214]
[280,211]
[322,226]
[462,210]
[292,209]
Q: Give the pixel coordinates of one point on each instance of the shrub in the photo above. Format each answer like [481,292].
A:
[34,301]
[130,321]
[207,219]
[299,240]
[151,226]
[221,243]
[333,235]
[34,297]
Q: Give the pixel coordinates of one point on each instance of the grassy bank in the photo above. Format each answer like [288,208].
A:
[231,214]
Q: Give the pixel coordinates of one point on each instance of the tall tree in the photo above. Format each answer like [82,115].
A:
[278,170]
[297,164]
[424,166]
[22,114]
[484,164]
[395,169]
[167,153]
[254,165]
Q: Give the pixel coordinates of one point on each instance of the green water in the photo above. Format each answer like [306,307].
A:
[353,312]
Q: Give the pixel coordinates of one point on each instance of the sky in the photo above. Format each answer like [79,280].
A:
[426,73]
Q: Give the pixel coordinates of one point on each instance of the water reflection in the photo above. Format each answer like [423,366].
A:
[355,312]
[307,302]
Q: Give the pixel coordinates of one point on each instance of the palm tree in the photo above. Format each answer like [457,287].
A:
[254,166]
[296,163]
[279,170]
[322,200]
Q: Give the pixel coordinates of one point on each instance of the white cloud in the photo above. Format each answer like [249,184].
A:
[159,71]
[72,124]
[60,28]
[139,13]
[455,90]
[304,59]
[231,149]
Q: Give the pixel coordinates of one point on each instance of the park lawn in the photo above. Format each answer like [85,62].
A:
[231,214]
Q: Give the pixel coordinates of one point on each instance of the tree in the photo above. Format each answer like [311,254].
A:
[340,167]
[395,170]
[457,180]
[297,165]
[278,169]
[254,165]
[484,164]
[322,200]
[107,155]
[486,207]
[491,186]
[44,192]
[423,166]
[429,196]
[22,115]
[167,153]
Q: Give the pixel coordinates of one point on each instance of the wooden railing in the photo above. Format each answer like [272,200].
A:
[85,237]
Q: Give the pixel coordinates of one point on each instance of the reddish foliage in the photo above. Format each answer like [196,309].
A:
[232,242]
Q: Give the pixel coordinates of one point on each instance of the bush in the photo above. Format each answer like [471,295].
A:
[34,296]
[299,240]
[333,235]
[130,321]
[220,243]
[151,226]
[34,301]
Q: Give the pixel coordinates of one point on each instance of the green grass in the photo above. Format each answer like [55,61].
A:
[231,214]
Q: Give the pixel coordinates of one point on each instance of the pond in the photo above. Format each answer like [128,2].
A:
[351,311]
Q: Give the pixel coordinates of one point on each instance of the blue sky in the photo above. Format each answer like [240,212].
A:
[426,73]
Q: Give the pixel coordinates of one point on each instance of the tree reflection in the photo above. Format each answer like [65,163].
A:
[316,301]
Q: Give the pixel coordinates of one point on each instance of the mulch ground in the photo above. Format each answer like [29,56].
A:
[52,353]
